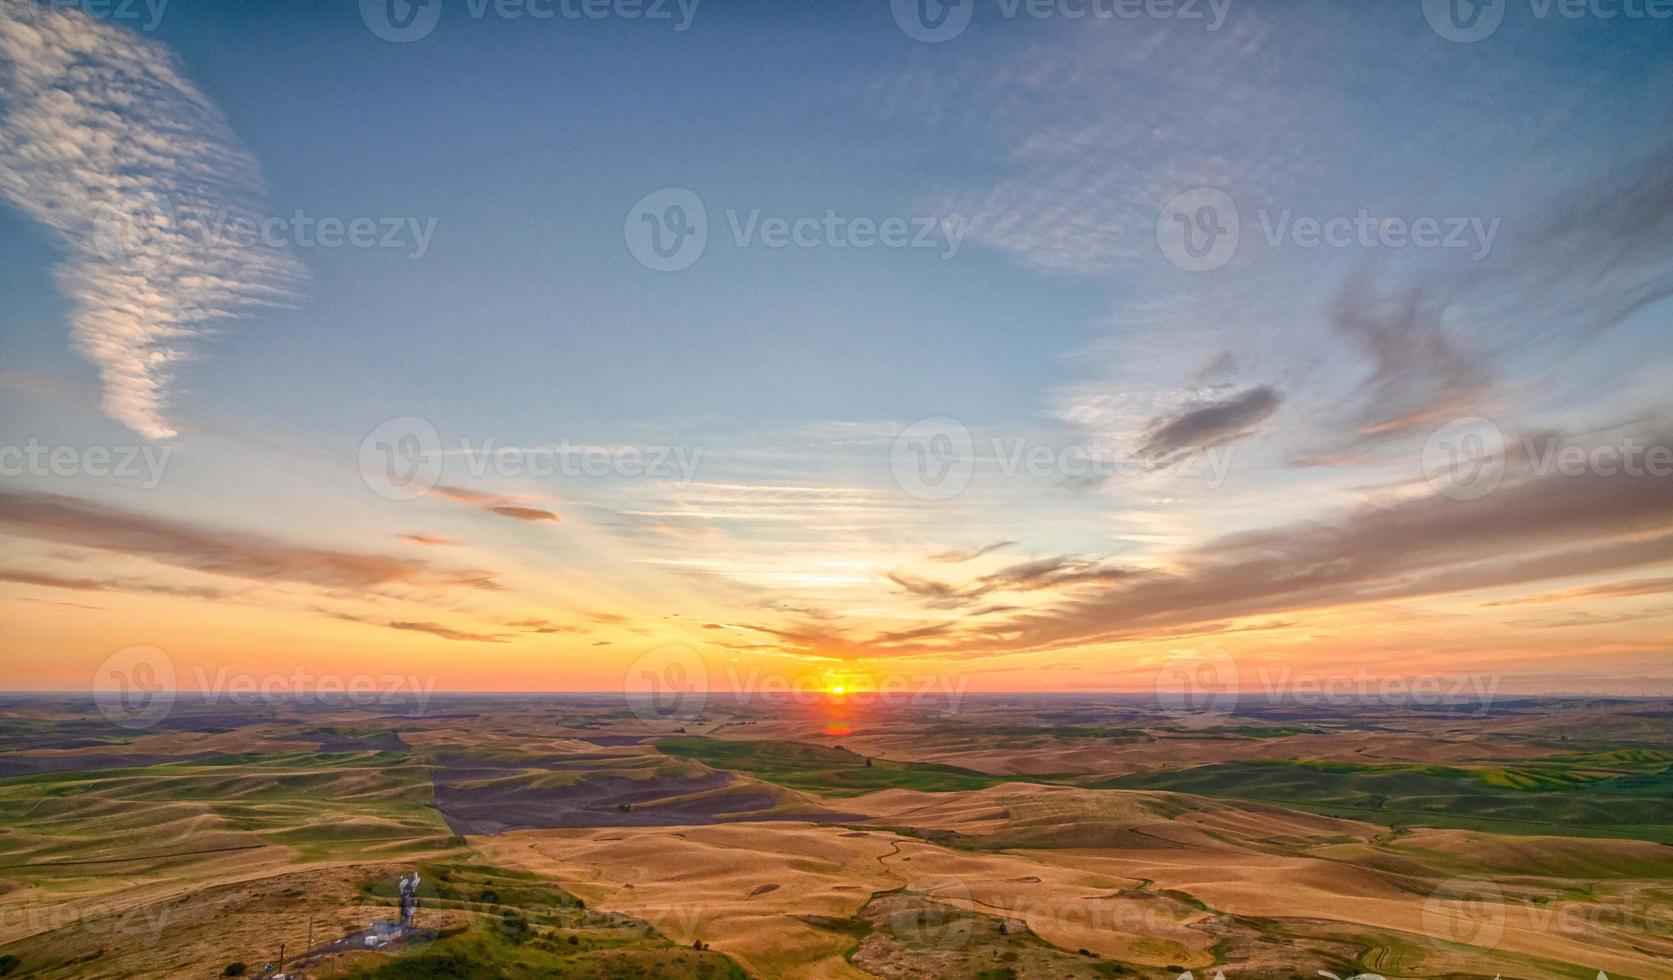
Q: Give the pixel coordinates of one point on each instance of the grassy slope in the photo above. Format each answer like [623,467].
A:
[1571,796]
[819,769]
[522,926]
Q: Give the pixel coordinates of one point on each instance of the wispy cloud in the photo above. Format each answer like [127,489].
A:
[104,141]
[216,551]
[496,505]
[969,554]
[1608,590]
[1030,576]
[47,580]
[433,629]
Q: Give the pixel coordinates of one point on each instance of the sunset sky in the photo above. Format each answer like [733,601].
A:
[742,439]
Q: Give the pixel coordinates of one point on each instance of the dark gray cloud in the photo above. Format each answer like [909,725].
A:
[1211,424]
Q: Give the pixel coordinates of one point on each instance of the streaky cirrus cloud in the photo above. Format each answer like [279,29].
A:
[433,629]
[104,141]
[217,551]
[1061,571]
[1600,252]
[958,555]
[47,580]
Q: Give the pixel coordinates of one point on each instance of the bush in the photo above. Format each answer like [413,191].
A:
[234,969]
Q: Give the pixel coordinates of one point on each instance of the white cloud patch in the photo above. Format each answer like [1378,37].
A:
[105,142]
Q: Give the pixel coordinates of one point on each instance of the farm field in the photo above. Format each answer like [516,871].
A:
[570,837]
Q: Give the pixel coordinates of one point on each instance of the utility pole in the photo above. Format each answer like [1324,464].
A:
[281,958]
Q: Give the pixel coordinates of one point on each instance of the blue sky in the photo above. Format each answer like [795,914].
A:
[1054,144]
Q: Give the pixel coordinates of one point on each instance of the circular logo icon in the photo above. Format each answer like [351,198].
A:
[933,458]
[146,228]
[401,459]
[667,230]
[929,913]
[1198,230]
[1465,459]
[134,687]
[1198,685]
[1465,911]
[1464,21]
[933,21]
[400,21]
[669,683]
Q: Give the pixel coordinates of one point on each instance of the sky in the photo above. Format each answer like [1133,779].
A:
[539,345]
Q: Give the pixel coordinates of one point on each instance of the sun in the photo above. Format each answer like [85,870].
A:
[838,689]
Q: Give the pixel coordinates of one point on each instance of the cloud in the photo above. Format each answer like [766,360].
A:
[526,514]
[1533,527]
[493,505]
[969,554]
[446,633]
[428,540]
[1208,425]
[48,581]
[106,143]
[216,551]
[1609,590]
[1030,576]
[1420,376]
[1598,253]
[536,625]
[433,629]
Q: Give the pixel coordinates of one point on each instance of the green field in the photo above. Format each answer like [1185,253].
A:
[522,926]
[1612,795]
[820,769]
